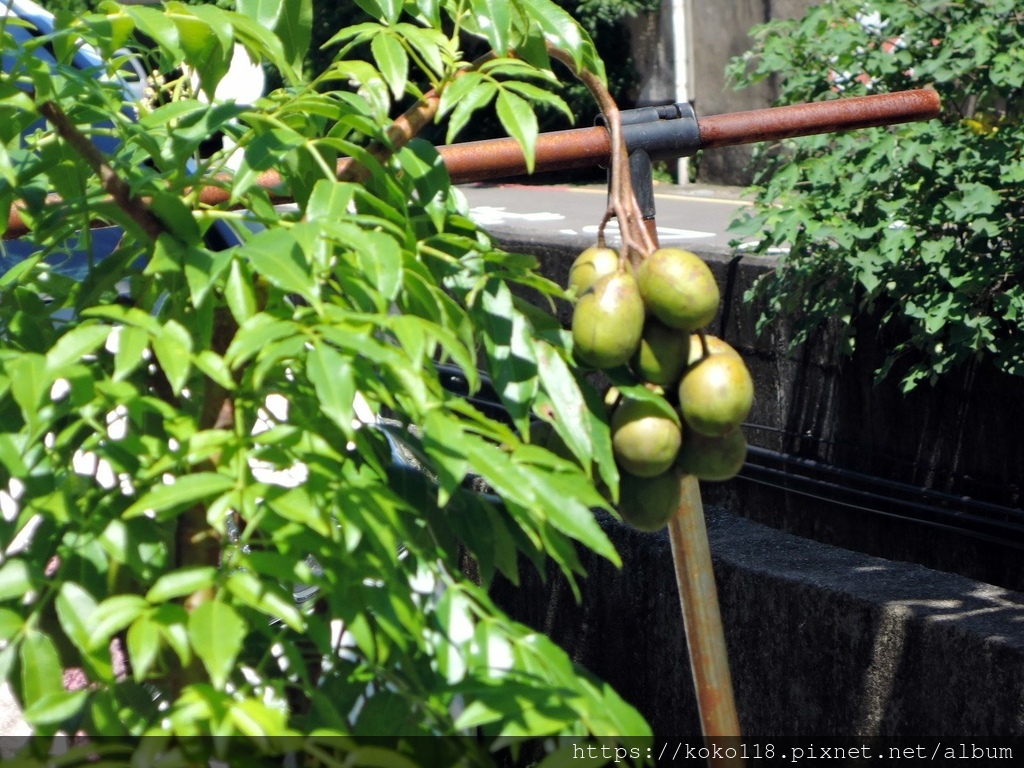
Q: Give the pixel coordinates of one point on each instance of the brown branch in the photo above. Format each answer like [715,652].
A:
[403,130]
[113,184]
[637,242]
[196,542]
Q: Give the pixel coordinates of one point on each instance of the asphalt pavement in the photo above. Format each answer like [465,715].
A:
[694,216]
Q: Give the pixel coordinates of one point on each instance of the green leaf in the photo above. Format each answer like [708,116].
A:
[213,365]
[442,439]
[256,720]
[216,632]
[392,61]
[16,579]
[381,260]
[203,268]
[181,582]
[494,19]
[517,117]
[143,641]
[75,608]
[511,353]
[30,383]
[173,350]
[278,255]
[256,333]
[297,505]
[166,500]
[10,624]
[75,344]
[55,708]
[172,619]
[156,26]
[239,292]
[177,218]
[41,670]
[205,35]
[290,20]
[132,343]
[333,378]
[11,449]
[563,31]
[567,401]
[476,98]
[112,615]
[268,599]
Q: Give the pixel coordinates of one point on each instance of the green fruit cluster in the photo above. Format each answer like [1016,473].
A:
[646,318]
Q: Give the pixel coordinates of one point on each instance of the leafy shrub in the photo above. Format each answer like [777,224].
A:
[179,442]
[918,225]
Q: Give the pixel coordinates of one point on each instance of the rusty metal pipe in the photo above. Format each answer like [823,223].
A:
[702,619]
[702,616]
[589,147]
[818,117]
[502,158]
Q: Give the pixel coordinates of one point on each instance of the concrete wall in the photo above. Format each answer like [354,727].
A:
[823,643]
[720,31]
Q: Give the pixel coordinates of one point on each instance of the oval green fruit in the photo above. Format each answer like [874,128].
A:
[716,394]
[649,503]
[608,321]
[645,441]
[663,353]
[678,288]
[713,458]
[590,266]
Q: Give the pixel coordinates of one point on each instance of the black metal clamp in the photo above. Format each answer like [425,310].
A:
[665,132]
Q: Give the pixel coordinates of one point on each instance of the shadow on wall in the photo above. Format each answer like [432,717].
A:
[822,642]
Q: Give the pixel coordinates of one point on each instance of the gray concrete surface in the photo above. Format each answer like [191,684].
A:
[823,642]
[694,216]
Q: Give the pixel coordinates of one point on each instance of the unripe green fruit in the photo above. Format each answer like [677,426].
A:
[590,266]
[663,353]
[716,395]
[678,288]
[608,321]
[713,458]
[649,503]
[715,347]
[645,441]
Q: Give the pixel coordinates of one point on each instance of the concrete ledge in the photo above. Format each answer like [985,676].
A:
[823,642]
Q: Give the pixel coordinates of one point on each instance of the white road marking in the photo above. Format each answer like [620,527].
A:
[486,215]
[664,233]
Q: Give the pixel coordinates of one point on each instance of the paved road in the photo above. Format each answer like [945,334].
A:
[696,216]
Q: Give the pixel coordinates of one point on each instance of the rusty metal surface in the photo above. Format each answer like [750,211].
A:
[499,158]
[819,117]
[702,619]
[588,147]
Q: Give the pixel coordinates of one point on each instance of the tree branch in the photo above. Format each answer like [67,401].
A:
[403,130]
[113,184]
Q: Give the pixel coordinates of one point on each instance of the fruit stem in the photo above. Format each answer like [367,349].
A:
[637,242]
[704,351]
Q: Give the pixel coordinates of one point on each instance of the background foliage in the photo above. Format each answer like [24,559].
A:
[919,226]
[180,442]
[603,21]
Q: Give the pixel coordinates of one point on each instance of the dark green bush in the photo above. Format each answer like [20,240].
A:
[919,224]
